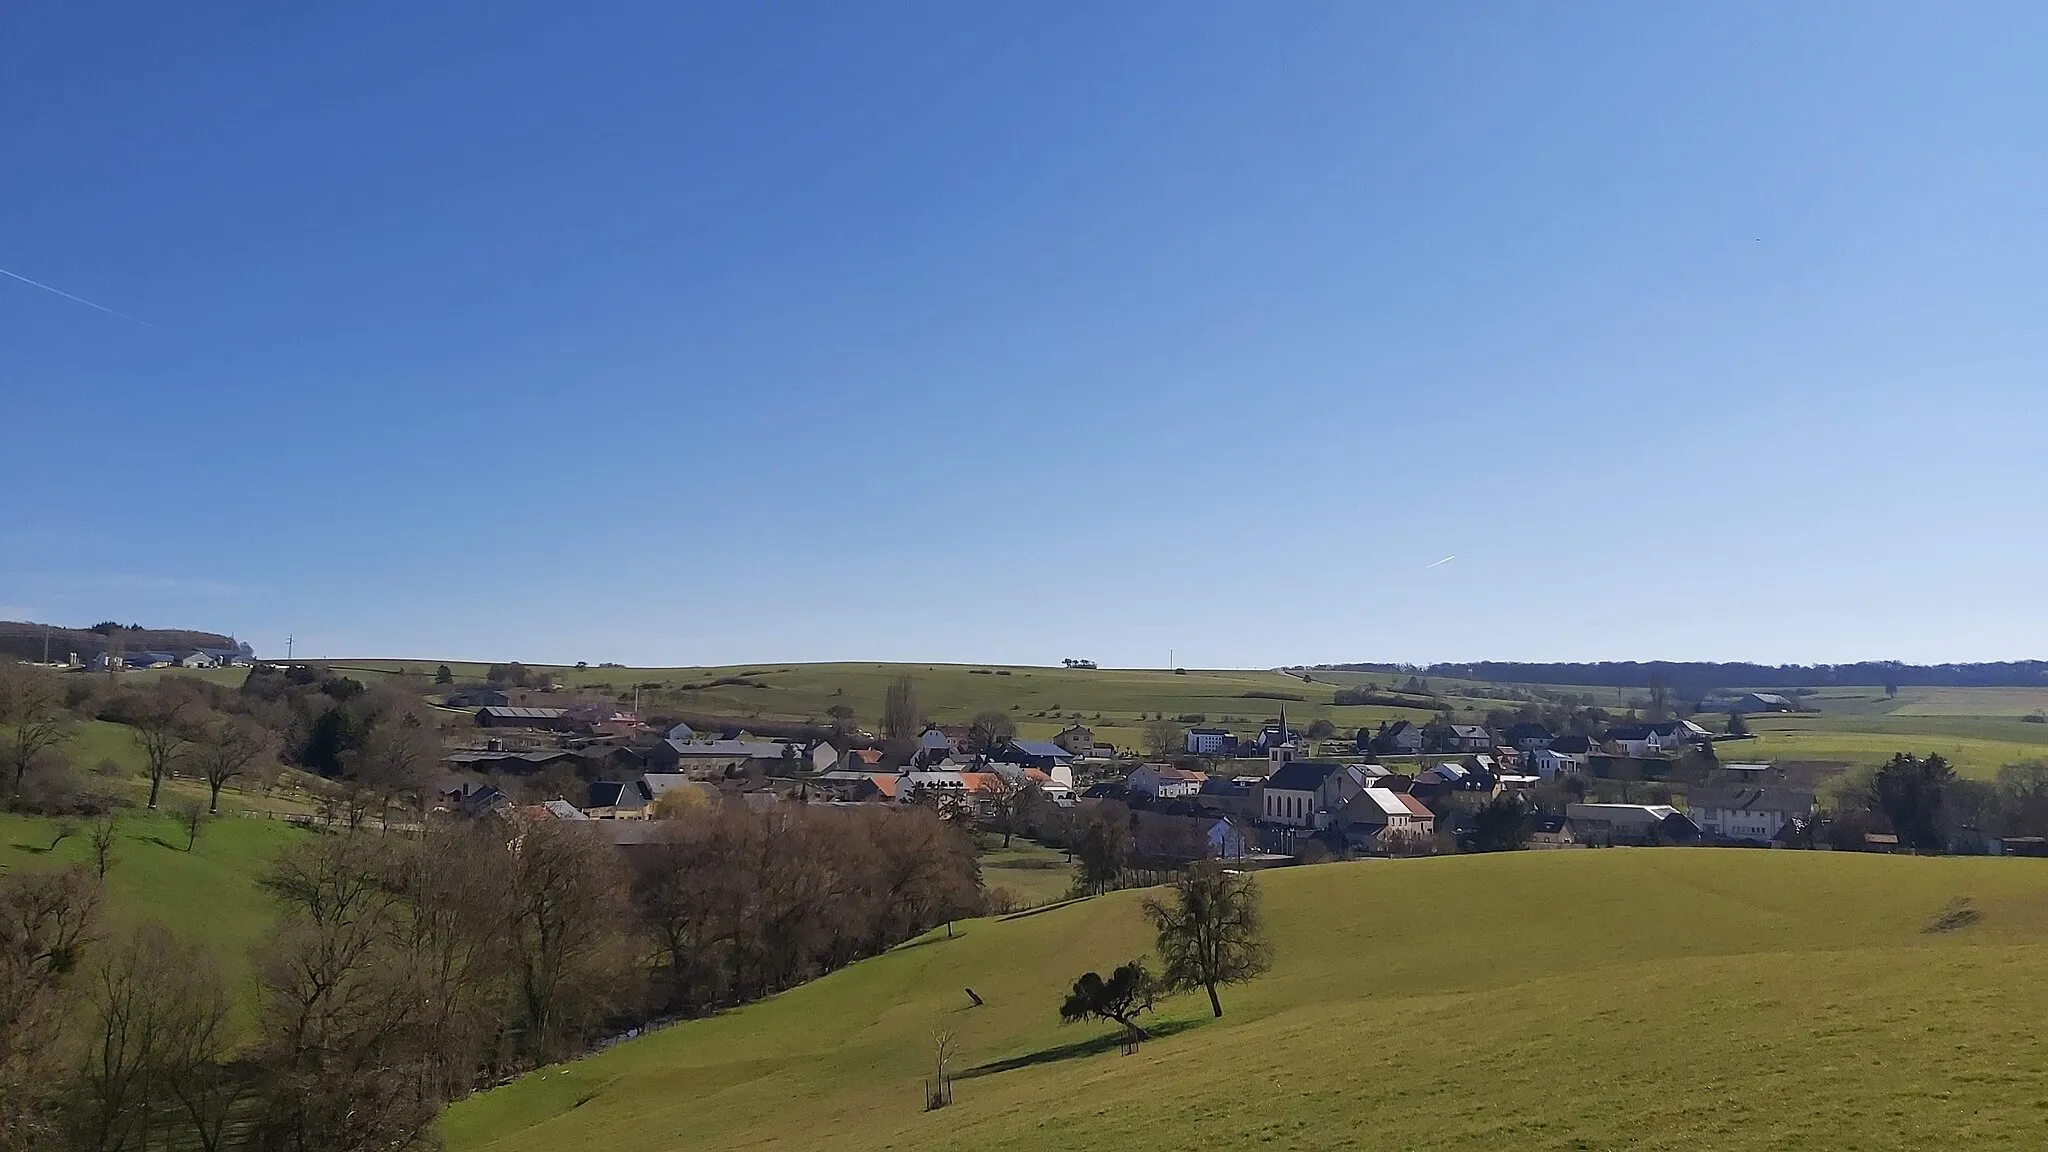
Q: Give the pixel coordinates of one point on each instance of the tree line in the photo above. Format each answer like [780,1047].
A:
[408,970]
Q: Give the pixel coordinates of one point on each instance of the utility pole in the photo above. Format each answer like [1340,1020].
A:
[288,647]
[46,643]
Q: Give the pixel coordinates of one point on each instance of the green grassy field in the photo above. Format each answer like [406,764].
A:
[208,894]
[1978,729]
[1036,875]
[1114,702]
[1590,1000]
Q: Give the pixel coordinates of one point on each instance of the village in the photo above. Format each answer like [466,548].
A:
[1277,795]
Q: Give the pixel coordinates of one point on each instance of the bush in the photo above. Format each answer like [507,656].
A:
[2035,718]
[1001,901]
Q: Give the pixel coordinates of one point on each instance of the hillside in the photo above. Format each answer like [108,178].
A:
[1114,701]
[23,640]
[1587,1000]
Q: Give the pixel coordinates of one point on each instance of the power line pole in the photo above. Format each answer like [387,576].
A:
[288,647]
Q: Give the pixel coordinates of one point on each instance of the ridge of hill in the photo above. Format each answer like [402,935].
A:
[25,640]
[1657,998]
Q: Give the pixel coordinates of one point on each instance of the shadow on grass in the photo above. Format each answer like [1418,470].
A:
[1094,1046]
[1052,907]
[163,843]
[34,849]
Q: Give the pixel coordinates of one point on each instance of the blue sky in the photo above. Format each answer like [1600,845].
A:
[701,334]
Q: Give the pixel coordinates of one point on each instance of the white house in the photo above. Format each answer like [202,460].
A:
[197,660]
[1164,781]
[1673,735]
[1208,741]
[1755,815]
[1304,793]
[1550,762]
[1376,811]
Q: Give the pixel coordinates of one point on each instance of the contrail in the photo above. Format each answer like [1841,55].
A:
[1438,564]
[77,299]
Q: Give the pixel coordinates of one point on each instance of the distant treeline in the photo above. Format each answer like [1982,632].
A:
[1693,679]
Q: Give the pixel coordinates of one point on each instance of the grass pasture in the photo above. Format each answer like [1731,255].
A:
[1037,875]
[1576,1000]
[1113,701]
[209,895]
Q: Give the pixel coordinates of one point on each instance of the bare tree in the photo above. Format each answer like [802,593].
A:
[159,1011]
[191,818]
[163,727]
[229,746]
[398,756]
[32,710]
[1164,738]
[46,918]
[565,931]
[989,731]
[900,715]
[1211,932]
[105,829]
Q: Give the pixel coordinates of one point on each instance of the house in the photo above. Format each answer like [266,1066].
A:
[1379,819]
[1673,735]
[1401,738]
[197,660]
[592,759]
[1211,741]
[682,732]
[1573,745]
[1228,797]
[1060,792]
[560,810]
[1304,793]
[505,717]
[1609,824]
[1631,740]
[1102,752]
[619,799]
[1470,738]
[822,757]
[1156,836]
[1075,739]
[477,801]
[1274,735]
[1552,832]
[1751,814]
[1164,781]
[1550,762]
[476,698]
[933,745]
[721,757]
[1528,737]
[1036,754]
[1764,702]
[655,785]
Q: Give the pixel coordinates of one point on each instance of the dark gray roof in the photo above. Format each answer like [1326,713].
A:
[505,713]
[1302,775]
[1766,799]
[1040,748]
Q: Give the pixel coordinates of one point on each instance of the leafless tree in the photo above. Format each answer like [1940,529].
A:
[46,919]
[32,711]
[229,747]
[191,818]
[159,1011]
[566,930]
[900,715]
[162,723]
[105,826]
[1164,738]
